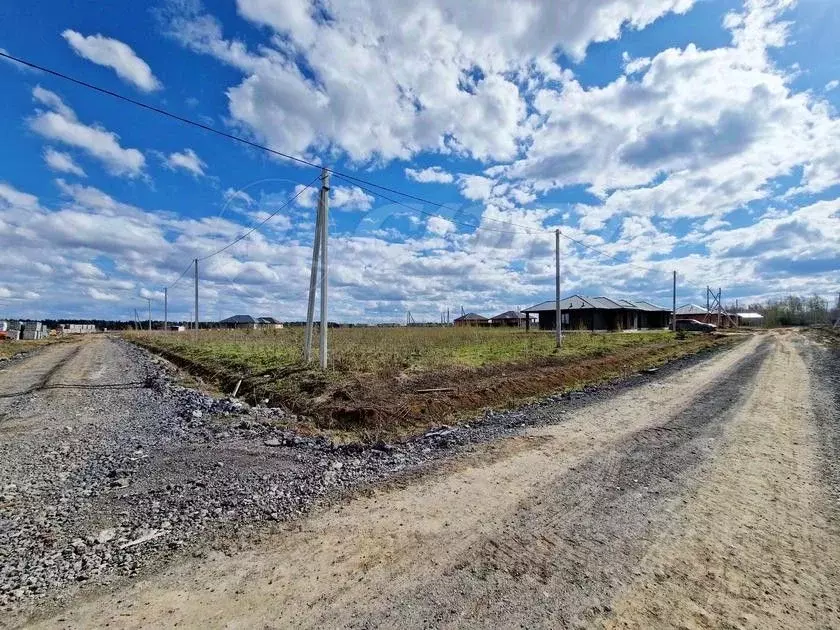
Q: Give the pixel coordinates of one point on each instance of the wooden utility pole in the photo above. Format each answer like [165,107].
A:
[165,309]
[674,304]
[325,222]
[149,300]
[319,262]
[558,327]
[313,285]
[195,261]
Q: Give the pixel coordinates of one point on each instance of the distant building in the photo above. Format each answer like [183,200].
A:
[750,319]
[246,321]
[578,312]
[695,311]
[512,319]
[471,319]
[268,322]
[239,321]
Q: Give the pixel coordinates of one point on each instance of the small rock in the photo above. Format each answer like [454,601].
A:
[196,413]
[106,535]
[272,442]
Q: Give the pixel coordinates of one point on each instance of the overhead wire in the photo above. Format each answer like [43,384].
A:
[224,134]
[363,184]
[183,273]
[286,204]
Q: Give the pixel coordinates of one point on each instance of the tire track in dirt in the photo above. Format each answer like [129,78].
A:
[543,533]
[752,546]
[573,545]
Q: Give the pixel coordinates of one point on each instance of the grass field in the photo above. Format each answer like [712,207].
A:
[377,376]
[9,349]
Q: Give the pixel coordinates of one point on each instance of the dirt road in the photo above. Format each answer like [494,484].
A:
[700,500]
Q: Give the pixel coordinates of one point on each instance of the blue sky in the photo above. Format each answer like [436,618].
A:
[696,135]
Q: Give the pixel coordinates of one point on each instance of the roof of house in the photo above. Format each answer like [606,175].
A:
[750,315]
[238,319]
[267,320]
[471,317]
[580,302]
[509,315]
[692,309]
[647,306]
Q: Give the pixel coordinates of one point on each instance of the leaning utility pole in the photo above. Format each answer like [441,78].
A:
[165,309]
[674,304]
[325,223]
[313,285]
[195,262]
[558,327]
[319,261]
[149,300]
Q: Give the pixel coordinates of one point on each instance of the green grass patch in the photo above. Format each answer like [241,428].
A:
[376,377]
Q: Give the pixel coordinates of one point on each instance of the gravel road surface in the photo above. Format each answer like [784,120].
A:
[703,497]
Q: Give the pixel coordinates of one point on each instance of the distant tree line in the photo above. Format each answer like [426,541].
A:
[794,310]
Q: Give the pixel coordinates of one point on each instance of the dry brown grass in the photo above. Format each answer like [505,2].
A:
[371,389]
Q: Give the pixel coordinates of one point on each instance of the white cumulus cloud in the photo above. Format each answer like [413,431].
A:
[61,124]
[62,162]
[186,160]
[114,54]
[433,174]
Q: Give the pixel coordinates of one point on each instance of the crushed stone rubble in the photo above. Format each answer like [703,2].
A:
[163,469]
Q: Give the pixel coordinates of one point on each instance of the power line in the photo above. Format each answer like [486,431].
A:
[531,231]
[598,251]
[224,134]
[264,221]
[183,273]
[350,178]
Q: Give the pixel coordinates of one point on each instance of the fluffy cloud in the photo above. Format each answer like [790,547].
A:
[60,124]
[699,132]
[459,97]
[103,296]
[433,174]
[670,158]
[62,162]
[186,160]
[114,54]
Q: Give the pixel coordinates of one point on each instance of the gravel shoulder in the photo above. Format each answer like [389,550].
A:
[567,524]
[109,470]
[699,497]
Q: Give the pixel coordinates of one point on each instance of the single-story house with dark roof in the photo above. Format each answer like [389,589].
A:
[579,312]
[268,322]
[471,319]
[239,321]
[513,319]
[700,313]
[246,321]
